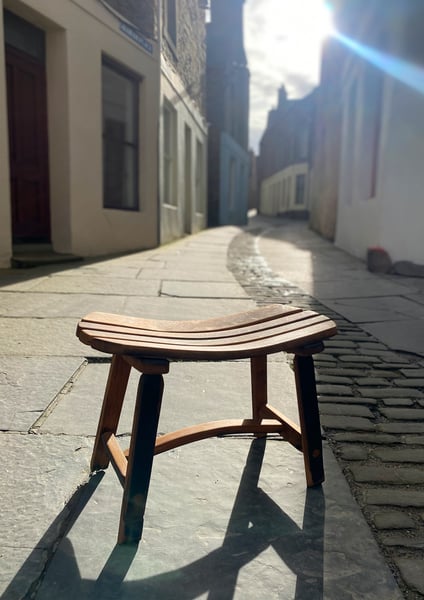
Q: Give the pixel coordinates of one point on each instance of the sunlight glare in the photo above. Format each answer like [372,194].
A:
[295,30]
[283,41]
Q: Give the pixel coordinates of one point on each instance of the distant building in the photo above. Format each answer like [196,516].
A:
[228,114]
[253,181]
[284,157]
[377,130]
[102,124]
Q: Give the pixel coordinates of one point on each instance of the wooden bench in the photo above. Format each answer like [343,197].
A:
[149,345]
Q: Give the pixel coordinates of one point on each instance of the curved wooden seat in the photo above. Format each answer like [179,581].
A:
[148,345]
[265,330]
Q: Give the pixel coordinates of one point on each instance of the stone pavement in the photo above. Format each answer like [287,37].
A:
[370,377]
[228,517]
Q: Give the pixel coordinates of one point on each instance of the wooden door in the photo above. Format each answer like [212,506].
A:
[27,117]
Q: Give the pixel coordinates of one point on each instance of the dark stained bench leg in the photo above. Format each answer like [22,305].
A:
[140,458]
[309,419]
[258,375]
[116,386]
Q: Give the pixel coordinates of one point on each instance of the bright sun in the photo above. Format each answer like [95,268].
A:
[295,30]
[283,40]
[303,24]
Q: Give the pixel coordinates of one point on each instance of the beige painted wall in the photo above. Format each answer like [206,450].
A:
[77,33]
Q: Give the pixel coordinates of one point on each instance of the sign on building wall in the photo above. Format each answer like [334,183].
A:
[136,36]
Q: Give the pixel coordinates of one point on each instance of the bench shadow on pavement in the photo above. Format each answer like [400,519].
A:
[256,523]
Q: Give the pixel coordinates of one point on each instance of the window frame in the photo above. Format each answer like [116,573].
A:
[169,156]
[135,80]
[171,25]
[199,176]
[300,190]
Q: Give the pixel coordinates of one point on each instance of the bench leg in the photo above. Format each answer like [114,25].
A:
[140,458]
[309,419]
[258,375]
[116,386]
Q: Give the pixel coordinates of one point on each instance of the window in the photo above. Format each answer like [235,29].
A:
[372,108]
[169,137]
[232,184]
[302,143]
[199,175]
[171,21]
[349,156]
[300,190]
[120,137]
[24,36]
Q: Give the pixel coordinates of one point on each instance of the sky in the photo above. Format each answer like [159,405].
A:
[282,39]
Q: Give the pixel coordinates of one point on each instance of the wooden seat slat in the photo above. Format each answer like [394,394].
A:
[241,339]
[260,315]
[284,341]
[97,328]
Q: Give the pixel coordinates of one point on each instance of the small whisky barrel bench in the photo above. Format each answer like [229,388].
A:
[149,345]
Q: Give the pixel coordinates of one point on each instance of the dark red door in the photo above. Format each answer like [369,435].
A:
[27,116]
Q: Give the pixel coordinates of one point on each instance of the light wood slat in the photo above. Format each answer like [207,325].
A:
[258,315]
[155,366]
[287,341]
[226,341]
[98,327]
[195,433]
[117,457]
[291,431]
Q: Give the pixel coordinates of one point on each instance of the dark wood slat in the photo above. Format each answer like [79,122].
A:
[309,419]
[258,377]
[140,460]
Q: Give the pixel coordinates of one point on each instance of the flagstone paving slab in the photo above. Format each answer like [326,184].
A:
[49,470]
[29,384]
[258,528]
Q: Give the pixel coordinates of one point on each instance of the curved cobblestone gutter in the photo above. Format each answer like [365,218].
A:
[372,411]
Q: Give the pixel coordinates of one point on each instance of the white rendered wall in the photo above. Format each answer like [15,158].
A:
[394,218]
[278,192]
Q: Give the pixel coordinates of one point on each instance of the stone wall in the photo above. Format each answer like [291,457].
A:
[188,57]
[142,13]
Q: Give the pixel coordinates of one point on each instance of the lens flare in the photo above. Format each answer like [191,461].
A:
[404,71]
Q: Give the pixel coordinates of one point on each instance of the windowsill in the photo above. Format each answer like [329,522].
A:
[123,208]
[171,44]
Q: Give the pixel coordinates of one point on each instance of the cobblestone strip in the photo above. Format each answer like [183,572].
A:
[372,410]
